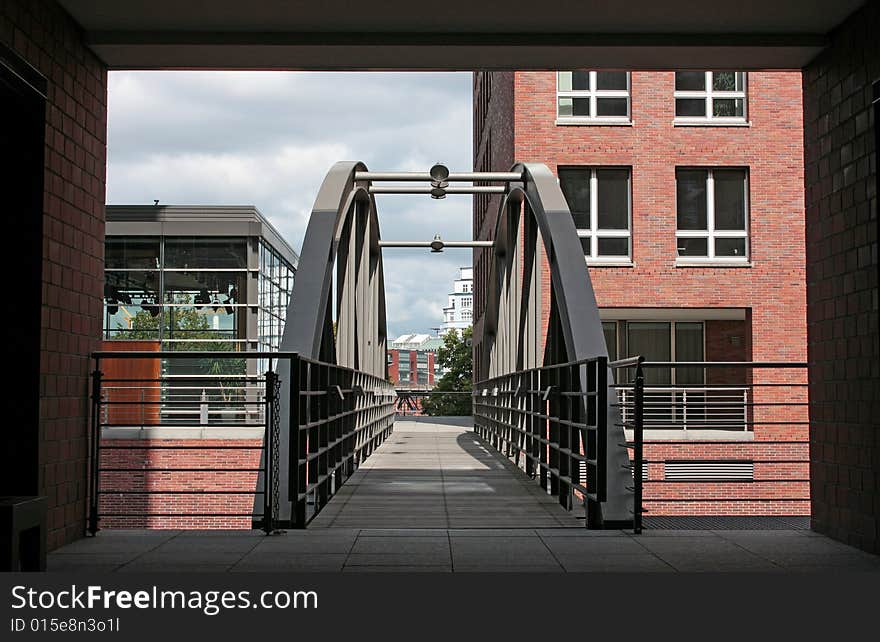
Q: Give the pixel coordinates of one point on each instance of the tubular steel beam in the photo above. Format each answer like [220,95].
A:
[425,176]
[427,189]
[429,243]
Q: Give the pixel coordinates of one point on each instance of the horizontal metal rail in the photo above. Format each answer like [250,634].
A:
[338,417]
[741,405]
[443,244]
[401,189]
[426,176]
[552,422]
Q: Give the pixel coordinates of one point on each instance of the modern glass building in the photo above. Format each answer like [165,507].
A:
[195,279]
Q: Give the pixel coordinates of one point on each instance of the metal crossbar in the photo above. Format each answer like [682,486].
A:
[552,422]
[720,406]
[338,416]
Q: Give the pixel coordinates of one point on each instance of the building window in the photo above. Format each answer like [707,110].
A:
[600,204]
[710,96]
[668,341]
[713,213]
[593,97]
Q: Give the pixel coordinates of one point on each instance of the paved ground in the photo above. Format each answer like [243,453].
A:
[430,474]
[434,499]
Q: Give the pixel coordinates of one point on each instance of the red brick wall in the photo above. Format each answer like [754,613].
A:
[772,290]
[173,453]
[844,334]
[73,250]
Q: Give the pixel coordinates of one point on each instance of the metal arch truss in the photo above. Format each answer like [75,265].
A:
[336,317]
[535,233]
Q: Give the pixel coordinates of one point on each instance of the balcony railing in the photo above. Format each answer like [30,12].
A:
[743,396]
[688,407]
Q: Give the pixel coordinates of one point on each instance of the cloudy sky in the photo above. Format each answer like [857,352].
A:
[267,139]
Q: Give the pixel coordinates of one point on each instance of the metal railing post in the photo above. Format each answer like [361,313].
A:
[298,450]
[638,446]
[269,456]
[96,449]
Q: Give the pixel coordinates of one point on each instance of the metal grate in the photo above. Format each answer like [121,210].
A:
[709,470]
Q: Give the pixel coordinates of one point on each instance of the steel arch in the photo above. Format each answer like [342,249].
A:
[533,215]
[341,247]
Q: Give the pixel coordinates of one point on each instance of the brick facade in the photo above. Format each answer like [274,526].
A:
[842,281]
[236,487]
[770,290]
[41,33]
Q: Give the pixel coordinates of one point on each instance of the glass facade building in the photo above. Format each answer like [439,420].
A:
[196,279]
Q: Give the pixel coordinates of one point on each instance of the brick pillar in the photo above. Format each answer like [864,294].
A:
[71,271]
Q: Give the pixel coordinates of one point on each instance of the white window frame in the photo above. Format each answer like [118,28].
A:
[595,233]
[709,95]
[593,94]
[711,234]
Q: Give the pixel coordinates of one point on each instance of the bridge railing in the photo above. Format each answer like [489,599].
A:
[746,426]
[181,451]
[551,421]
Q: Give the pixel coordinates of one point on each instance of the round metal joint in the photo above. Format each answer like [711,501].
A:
[439,172]
[438,192]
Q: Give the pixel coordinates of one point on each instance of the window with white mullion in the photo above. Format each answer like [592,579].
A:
[718,96]
[592,96]
[712,214]
[600,203]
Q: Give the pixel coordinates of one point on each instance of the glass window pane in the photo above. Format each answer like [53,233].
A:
[612,80]
[199,252]
[689,347]
[651,341]
[580,80]
[730,247]
[131,253]
[612,246]
[730,199]
[691,198]
[690,107]
[690,81]
[727,81]
[609,329]
[613,199]
[564,80]
[692,247]
[574,107]
[586,245]
[575,184]
[728,107]
[611,106]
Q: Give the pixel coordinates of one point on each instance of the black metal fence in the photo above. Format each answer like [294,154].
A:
[735,398]
[552,422]
[171,451]
[341,416]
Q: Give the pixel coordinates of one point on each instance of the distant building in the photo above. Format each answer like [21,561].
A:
[412,360]
[459,313]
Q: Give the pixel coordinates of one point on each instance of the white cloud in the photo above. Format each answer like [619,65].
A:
[268,138]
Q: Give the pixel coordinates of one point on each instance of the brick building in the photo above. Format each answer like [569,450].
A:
[55,59]
[412,359]
[687,193]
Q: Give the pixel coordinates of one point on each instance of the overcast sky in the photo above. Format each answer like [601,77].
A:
[268,138]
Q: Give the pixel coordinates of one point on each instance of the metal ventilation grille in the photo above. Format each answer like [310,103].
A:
[703,470]
[632,472]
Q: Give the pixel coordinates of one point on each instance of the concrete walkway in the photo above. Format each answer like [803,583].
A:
[434,499]
[436,473]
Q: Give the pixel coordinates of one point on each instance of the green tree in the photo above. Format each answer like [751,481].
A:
[455,355]
[189,323]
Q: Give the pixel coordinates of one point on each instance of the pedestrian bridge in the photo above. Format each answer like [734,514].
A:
[435,472]
[539,478]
